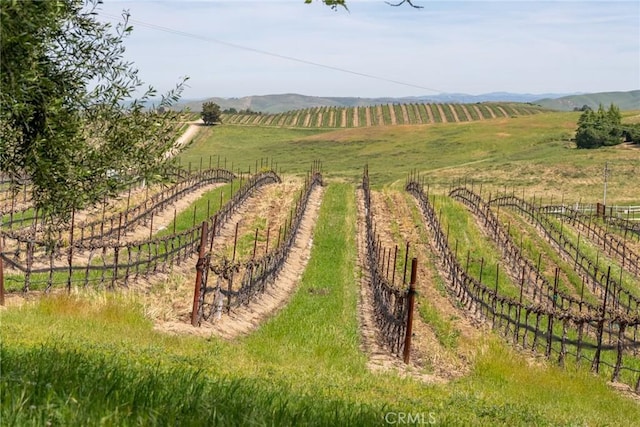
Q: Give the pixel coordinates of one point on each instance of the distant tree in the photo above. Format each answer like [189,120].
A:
[230,111]
[211,113]
[599,128]
[250,112]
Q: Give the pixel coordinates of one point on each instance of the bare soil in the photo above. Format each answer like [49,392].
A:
[405,114]
[173,314]
[244,320]
[392,212]
[427,107]
[185,138]
[441,111]
[379,115]
[392,114]
[454,112]
[480,116]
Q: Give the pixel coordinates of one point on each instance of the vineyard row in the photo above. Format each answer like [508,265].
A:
[384,115]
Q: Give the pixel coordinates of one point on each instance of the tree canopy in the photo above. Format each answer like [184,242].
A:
[68,121]
[211,113]
[599,128]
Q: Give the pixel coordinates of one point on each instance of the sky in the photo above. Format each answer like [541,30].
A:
[240,48]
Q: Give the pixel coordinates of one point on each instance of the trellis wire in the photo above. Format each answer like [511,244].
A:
[537,331]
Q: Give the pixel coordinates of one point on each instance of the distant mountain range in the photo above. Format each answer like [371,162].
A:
[291,101]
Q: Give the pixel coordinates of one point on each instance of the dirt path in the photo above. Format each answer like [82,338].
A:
[356,117]
[343,123]
[244,320]
[185,138]
[332,118]
[454,113]
[367,111]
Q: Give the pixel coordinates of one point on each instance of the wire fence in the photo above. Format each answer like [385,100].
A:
[236,284]
[610,243]
[391,302]
[607,340]
[107,263]
[557,236]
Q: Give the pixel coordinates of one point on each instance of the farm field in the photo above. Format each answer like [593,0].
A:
[532,153]
[309,363]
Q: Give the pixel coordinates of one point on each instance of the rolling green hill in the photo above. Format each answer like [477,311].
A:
[624,100]
[384,115]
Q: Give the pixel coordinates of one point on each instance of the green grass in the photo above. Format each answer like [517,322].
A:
[599,258]
[447,113]
[82,360]
[73,360]
[202,209]
[532,153]
[484,255]
[535,248]
[460,112]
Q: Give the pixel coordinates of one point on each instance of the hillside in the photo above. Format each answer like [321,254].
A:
[625,100]
[291,101]
[384,115]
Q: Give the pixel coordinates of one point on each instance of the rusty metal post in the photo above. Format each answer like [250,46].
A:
[235,243]
[595,365]
[255,244]
[412,300]
[199,270]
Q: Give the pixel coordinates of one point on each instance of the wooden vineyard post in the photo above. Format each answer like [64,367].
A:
[595,365]
[412,300]
[199,270]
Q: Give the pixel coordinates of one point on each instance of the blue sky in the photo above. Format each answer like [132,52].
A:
[448,46]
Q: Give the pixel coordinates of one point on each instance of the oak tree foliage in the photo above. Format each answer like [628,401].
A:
[211,113]
[68,121]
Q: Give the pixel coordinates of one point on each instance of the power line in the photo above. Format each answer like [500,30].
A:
[267,53]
